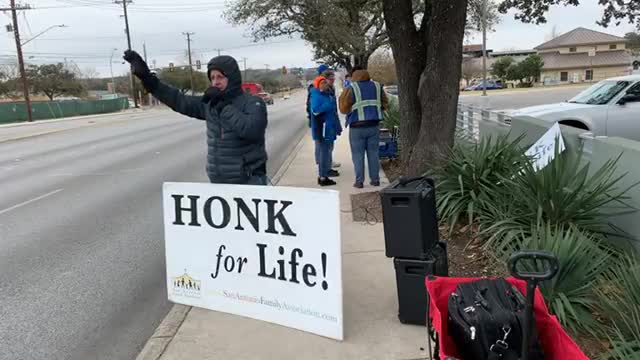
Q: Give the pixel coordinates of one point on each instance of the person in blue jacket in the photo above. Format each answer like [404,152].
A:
[325,127]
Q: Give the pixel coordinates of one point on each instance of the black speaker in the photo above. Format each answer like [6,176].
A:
[410,280]
[409,217]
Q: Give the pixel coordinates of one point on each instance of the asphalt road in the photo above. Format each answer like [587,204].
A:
[82,271]
[519,98]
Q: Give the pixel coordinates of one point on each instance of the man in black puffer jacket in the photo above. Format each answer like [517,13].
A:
[236,121]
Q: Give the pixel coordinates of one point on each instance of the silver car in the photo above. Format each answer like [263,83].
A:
[610,108]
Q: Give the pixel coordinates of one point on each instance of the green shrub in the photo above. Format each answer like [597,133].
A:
[564,193]
[570,294]
[467,183]
[625,346]
[392,115]
[619,297]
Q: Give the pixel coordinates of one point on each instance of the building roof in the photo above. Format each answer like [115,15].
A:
[580,36]
[513,52]
[555,60]
[472,47]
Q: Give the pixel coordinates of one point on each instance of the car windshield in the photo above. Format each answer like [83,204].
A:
[600,93]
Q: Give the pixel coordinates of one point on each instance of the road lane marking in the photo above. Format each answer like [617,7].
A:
[30,201]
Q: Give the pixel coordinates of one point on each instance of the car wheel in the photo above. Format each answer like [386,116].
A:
[574,123]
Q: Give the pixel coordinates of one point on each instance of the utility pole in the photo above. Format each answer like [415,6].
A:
[244,59]
[188,35]
[484,47]
[126,29]
[16,34]
[219,51]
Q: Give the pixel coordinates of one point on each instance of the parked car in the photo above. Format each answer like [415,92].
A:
[608,108]
[391,90]
[268,99]
[491,85]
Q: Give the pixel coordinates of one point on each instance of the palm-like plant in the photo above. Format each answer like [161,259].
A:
[563,193]
[619,294]
[570,294]
[468,182]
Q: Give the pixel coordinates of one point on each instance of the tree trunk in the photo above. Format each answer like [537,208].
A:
[409,51]
[438,90]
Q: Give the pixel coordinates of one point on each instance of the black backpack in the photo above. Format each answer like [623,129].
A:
[486,319]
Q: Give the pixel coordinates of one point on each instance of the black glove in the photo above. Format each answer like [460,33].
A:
[141,70]
[138,66]
[212,95]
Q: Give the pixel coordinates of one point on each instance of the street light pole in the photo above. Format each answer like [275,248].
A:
[484,47]
[44,31]
[113,82]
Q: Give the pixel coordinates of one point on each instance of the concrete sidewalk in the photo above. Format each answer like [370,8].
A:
[371,326]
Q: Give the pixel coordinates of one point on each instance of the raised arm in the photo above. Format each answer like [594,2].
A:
[187,105]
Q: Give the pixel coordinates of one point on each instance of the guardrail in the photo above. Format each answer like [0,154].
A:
[469,117]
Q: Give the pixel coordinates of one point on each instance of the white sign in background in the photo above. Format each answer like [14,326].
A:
[264,252]
[543,150]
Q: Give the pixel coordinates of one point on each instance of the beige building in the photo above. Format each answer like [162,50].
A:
[583,55]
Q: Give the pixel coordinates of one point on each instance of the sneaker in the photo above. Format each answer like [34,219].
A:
[335,165]
[375,183]
[333,173]
[326,182]
[358,185]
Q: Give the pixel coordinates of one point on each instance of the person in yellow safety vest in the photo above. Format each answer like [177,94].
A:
[364,102]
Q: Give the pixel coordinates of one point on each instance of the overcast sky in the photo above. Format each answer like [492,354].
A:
[95,28]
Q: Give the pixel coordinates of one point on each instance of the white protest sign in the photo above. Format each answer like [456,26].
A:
[543,150]
[264,252]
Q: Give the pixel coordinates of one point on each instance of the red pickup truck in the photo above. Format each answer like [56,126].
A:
[252,88]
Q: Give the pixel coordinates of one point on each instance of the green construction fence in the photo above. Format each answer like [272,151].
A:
[17,111]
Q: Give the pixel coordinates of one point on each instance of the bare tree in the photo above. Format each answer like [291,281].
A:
[382,68]
[471,68]
[90,73]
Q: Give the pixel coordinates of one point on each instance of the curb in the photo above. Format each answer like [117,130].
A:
[164,333]
[168,328]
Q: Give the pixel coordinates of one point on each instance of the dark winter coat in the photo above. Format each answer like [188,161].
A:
[236,125]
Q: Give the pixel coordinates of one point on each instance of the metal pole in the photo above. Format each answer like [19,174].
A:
[484,47]
[113,82]
[23,73]
[126,24]
[188,34]
[244,59]
[144,50]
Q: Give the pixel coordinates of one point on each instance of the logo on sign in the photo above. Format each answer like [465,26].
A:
[185,285]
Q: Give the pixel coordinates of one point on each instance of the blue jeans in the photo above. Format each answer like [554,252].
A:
[323,157]
[365,140]
[318,153]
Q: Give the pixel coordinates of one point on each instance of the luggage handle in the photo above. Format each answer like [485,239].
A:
[549,272]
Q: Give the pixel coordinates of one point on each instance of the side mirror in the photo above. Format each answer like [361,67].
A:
[629,97]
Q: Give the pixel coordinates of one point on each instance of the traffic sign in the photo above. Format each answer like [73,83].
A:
[170,66]
[198,64]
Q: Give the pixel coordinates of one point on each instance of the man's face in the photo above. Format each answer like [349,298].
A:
[219,80]
[331,79]
[323,86]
